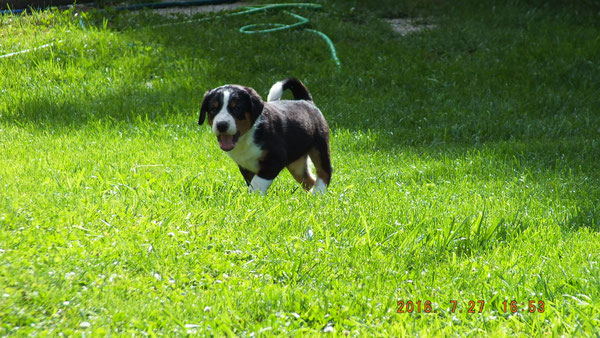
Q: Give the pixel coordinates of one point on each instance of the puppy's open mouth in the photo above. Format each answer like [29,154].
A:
[228,142]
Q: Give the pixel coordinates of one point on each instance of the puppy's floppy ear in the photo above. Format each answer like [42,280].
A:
[204,107]
[256,102]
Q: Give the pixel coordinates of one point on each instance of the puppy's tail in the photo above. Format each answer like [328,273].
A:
[298,90]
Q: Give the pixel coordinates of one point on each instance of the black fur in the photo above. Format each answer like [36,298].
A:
[204,107]
[256,103]
[210,97]
[289,129]
[248,175]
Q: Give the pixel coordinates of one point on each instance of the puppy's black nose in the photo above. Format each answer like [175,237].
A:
[222,126]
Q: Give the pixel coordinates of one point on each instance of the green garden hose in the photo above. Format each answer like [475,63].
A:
[271,27]
[250,29]
[274,27]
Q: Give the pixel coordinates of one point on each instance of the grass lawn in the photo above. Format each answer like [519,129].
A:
[466,172]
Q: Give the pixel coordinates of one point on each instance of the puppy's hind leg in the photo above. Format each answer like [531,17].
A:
[320,156]
[301,172]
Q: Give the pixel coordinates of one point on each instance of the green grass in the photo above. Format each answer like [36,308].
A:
[465,168]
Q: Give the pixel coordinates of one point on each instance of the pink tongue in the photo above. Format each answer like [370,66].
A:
[226,142]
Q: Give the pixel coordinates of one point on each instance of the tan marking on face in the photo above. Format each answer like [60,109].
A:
[245,124]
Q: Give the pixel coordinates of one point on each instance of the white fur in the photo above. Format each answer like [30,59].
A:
[246,153]
[259,184]
[320,187]
[275,92]
[224,116]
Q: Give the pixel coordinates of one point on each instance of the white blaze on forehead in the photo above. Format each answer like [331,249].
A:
[224,116]
[259,184]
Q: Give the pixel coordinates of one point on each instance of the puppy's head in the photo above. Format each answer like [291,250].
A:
[231,110]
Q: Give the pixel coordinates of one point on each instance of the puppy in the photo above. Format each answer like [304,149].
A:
[265,137]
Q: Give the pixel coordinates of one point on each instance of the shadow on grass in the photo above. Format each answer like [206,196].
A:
[464,84]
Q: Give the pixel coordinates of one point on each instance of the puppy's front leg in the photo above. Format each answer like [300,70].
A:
[270,168]
[248,175]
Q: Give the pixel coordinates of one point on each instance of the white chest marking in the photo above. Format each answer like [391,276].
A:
[246,153]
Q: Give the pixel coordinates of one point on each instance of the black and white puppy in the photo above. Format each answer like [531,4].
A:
[265,137]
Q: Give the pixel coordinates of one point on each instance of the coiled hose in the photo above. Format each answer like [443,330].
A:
[247,29]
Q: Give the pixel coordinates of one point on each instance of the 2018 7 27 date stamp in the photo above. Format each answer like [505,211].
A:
[473,306]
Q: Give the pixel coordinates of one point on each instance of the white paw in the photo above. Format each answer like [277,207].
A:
[259,184]
[319,188]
